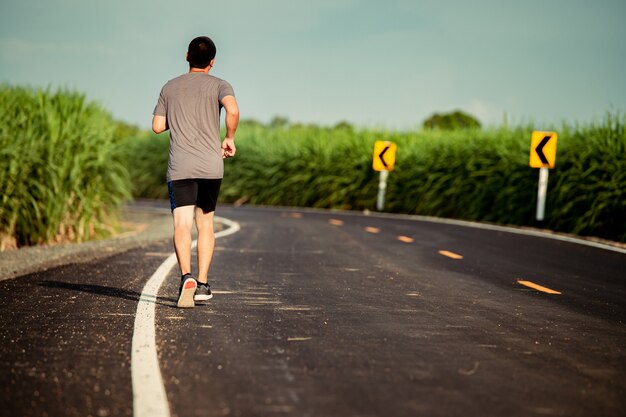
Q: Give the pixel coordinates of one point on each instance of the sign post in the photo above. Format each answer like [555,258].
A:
[541,193]
[382,187]
[542,156]
[384,160]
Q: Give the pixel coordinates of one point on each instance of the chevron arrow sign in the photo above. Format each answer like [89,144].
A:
[543,149]
[384,155]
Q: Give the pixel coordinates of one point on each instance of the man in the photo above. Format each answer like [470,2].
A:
[189,106]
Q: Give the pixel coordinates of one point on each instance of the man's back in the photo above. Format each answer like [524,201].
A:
[191,103]
[189,106]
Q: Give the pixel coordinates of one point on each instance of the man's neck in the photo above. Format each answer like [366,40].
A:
[204,70]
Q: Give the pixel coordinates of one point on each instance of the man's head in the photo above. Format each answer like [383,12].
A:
[201,52]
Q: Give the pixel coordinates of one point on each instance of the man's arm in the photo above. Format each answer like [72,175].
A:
[232,120]
[159,124]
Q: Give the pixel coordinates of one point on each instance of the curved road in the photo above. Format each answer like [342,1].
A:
[331,314]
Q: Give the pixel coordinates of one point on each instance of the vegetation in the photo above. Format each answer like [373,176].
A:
[451,121]
[61,170]
[146,160]
[466,174]
[66,167]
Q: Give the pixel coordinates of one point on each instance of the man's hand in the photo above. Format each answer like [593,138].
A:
[228,148]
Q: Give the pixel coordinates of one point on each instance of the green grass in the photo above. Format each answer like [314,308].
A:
[145,158]
[466,174]
[61,168]
[66,167]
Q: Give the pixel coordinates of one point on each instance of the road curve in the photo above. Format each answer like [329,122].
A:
[335,314]
[332,314]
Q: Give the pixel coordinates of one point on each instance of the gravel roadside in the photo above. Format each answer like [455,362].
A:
[150,221]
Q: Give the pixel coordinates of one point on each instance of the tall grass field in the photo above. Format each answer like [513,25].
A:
[66,167]
[466,174]
[61,170]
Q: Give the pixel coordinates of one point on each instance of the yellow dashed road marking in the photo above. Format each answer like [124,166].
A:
[406,239]
[538,287]
[370,229]
[297,339]
[336,222]
[450,254]
[295,215]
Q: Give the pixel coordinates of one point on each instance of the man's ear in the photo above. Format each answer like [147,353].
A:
[212,62]
[187,56]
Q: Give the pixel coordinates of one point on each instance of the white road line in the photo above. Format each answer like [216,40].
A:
[149,397]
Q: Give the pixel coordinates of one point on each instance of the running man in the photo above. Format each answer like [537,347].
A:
[189,106]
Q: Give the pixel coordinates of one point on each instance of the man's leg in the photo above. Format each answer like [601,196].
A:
[183,222]
[206,243]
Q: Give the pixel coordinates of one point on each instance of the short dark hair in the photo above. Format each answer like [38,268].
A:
[200,52]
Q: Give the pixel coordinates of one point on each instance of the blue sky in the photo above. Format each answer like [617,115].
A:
[388,64]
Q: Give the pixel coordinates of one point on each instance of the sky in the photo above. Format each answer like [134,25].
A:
[387,64]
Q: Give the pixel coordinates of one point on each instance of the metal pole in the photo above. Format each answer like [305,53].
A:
[541,193]
[382,186]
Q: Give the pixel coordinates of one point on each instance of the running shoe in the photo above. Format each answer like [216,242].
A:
[203,292]
[186,291]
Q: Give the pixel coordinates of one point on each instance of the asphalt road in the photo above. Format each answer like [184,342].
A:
[326,314]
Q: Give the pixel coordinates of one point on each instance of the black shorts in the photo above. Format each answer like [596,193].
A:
[197,192]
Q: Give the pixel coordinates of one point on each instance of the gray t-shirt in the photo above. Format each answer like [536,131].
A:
[191,105]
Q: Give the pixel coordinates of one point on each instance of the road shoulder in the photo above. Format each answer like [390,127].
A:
[148,222]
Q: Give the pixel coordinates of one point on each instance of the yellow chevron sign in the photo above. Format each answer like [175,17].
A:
[543,149]
[384,155]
